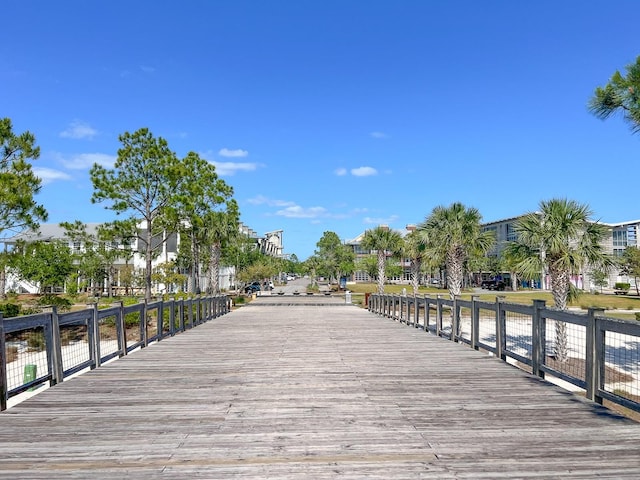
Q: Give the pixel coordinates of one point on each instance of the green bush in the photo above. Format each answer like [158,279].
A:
[622,286]
[9,310]
[637,314]
[36,341]
[49,299]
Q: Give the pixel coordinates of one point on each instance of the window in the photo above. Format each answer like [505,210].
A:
[619,238]
[512,236]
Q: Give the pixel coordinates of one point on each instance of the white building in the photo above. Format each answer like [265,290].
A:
[167,251]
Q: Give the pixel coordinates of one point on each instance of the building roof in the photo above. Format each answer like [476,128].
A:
[48,231]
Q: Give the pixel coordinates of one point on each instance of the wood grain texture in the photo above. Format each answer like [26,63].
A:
[295,388]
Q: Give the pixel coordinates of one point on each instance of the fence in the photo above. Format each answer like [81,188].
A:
[598,354]
[48,347]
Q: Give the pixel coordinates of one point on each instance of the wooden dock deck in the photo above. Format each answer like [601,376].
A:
[312,388]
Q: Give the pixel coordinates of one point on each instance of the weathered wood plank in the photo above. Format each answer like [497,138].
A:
[312,391]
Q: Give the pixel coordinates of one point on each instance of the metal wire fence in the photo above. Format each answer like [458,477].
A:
[594,353]
[48,347]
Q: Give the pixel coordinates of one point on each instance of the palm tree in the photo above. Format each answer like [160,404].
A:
[221,228]
[413,249]
[385,242]
[562,240]
[453,234]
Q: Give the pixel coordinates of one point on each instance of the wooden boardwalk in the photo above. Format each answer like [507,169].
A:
[311,388]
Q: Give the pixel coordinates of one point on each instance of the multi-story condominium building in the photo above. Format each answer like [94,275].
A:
[360,276]
[621,235]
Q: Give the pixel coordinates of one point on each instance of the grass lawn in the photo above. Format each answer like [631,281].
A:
[584,301]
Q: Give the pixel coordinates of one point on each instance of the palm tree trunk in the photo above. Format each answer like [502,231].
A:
[415,274]
[560,289]
[214,269]
[381,273]
[455,271]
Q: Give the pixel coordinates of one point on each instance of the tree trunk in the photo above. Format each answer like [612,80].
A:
[148,262]
[3,282]
[110,282]
[381,272]
[194,284]
[514,281]
[214,269]
[416,263]
[560,283]
[455,271]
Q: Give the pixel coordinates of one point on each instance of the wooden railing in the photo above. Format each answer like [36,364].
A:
[49,347]
[603,354]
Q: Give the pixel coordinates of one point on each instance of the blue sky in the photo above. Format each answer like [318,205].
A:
[331,115]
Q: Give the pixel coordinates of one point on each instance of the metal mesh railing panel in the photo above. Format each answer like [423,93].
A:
[622,365]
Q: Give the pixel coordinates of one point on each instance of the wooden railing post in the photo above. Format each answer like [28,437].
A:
[538,338]
[172,316]
[57,371]
[594,363]
[144,334]
[4,388]
[95,342]
[455,320]
[121,329]
[501,338]
[475,322]
[160,320]
[438,315]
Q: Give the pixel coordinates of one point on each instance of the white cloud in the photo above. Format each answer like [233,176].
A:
[230,168]
[225,152]
[296,211]
[380,221]
[380,135]
[340,172]
[84,161]
[147,69]
[48,175]
[262,200]
[363,171]
[79,130]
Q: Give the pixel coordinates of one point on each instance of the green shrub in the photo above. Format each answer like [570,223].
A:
[637,314]
[49,299]
[9,310]
[36,341]
[622,286]
[238,300]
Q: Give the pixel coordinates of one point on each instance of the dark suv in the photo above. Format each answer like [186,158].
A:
[493,285]
[252,287]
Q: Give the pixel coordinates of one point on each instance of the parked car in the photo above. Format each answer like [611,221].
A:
[252,287]
[493,285]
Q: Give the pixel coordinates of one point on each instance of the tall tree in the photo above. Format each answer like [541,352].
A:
[620,95]
[18,185]
[630,265]
[205,211]
[221,229]
[336,259]
[143,183]
[453,234]
[413,249]
[386,243]
[562,239]
[48,264]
